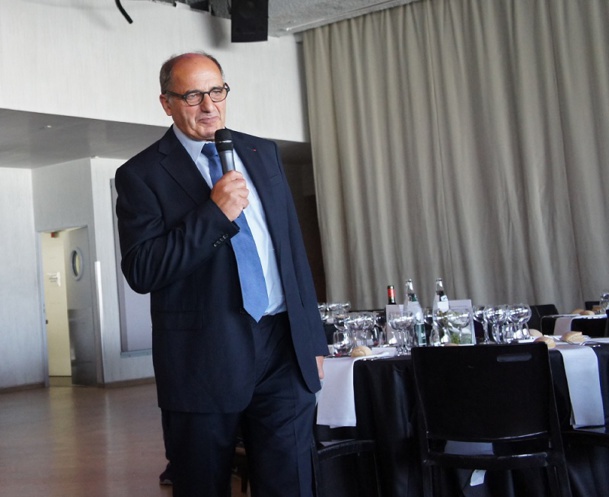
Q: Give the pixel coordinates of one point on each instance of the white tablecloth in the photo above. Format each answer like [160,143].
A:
[563,323]
[581,369]
[336,401]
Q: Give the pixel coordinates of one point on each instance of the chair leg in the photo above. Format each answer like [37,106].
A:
[241,466]
[429,480]
[317,483]
[558,479]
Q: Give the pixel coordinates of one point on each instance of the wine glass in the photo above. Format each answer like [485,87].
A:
[378,329]
[442,324]
[603,301]
[368,324]
[402,323]
[360,325]
[458,320]
[342,341]
[496,315]
[519,315]
[338,311]
[480,317]
[322,307]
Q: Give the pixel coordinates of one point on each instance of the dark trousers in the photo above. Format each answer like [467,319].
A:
[276,426]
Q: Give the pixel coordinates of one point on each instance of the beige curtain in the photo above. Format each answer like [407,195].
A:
[467,139]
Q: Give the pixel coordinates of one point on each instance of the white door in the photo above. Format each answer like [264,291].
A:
[81,312]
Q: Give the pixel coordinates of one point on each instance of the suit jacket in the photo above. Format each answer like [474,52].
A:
[175,245]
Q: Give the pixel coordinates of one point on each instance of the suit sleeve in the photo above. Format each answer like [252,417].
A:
[164,234]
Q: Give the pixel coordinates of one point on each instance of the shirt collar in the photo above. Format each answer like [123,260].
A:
[193,147]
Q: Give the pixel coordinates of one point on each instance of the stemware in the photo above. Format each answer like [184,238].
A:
[519,315]
[342,340]
[603,301]
[480,317]
[378,329]
[338,308]
[459,320]
[360,325]
[442,324]
[402,323]
[496,315]
[323,311]
[434,334]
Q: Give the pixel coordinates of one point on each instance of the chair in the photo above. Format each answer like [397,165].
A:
[496,398]
[589,304]
[345,468]
[341,468]
[240,465]
[594,435]
[539,311]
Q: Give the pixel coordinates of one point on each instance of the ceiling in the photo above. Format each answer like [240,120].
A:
[30,140]
[294,16]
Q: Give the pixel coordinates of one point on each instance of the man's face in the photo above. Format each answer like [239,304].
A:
[198,122]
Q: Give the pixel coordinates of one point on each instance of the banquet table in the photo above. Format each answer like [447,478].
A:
[385,408]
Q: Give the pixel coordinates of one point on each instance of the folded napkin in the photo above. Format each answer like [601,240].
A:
[336,401]
[581,369]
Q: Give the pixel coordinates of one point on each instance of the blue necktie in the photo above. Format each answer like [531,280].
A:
[253,286]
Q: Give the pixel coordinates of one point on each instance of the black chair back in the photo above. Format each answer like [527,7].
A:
[346,469]
[500,396]
[476,393]
[539,311]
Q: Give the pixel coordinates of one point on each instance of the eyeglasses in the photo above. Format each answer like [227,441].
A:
[195,97]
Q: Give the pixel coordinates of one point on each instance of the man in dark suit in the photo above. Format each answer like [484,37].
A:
[218,368]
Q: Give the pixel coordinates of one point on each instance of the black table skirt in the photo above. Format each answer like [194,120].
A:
[591,327]
[385,409]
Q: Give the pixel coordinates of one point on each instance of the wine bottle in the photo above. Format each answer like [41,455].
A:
[390,295]
[412,304]
[440,298]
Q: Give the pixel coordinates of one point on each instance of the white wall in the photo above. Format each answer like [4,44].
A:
[22,340]
[117,366]
[81,58]
[78,193]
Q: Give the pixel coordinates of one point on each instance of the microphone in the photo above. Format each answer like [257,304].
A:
[224,145]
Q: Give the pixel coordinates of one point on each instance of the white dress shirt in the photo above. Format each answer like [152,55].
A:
[256,220]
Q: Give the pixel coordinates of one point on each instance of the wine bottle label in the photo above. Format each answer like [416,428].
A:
[390,295]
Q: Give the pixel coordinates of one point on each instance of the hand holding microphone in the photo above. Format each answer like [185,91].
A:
[230,192]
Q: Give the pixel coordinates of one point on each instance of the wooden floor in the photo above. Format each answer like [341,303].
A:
[68,441]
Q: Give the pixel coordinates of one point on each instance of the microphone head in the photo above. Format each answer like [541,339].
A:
[224,140]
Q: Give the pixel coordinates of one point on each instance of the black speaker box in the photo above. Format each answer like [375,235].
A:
[249,20]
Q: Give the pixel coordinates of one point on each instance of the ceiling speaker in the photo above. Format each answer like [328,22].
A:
[249,20]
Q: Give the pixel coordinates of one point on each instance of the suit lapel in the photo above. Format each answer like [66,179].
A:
[180,166]
[266,176]
[260,170]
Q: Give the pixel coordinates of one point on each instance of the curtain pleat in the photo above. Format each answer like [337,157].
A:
[463,139]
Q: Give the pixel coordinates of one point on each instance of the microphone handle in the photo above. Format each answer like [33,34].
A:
[227,160]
